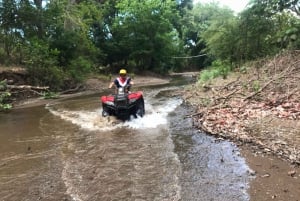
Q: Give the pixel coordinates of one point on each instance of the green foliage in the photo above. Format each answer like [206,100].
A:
[243,69]
[193,24]
[4,97]
[145,33]
[271,7]
[267,29]
[42,65]
[223,68]
[61,41]
[206,75]
[50,95]
[256,32]
[2,55]
[5,106]
[256,86]
[221,35]
[288,32]
[79,68]
[217,69]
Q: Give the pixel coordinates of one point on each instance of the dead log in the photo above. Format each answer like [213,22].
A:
[29,87]
[23,89]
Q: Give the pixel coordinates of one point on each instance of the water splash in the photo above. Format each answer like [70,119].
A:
[156,115]
[89,120]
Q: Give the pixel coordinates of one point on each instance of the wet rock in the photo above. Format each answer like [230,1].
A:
[265,175]
[29,149]
[251,172]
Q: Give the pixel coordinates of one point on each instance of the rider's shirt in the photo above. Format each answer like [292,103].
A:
[120,82]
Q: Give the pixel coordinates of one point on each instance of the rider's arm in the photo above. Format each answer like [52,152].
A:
[113,83]
[130,82]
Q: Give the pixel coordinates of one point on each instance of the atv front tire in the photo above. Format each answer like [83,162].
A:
[141,109]
[105,114]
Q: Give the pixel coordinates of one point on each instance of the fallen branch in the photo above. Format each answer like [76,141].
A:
[28,90]
[26,87]
[288,96]
[76,89]
[258,91]
[228,95]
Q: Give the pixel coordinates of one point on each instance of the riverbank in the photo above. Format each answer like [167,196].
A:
[275,179]
[91,86]
[258,109]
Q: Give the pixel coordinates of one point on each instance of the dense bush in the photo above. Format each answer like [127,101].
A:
[218,68]
[4,97]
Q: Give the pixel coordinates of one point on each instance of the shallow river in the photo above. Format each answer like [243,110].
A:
[67,151]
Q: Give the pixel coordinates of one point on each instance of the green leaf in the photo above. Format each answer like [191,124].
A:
[293,37]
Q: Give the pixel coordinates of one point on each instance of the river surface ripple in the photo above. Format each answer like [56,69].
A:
[67,151]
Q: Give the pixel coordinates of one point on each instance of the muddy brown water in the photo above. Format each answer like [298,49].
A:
[67,151]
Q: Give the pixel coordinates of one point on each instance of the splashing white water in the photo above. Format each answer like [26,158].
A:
[92,120]
[89,120]
[155,116]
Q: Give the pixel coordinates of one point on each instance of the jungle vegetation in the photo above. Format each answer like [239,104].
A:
[63,41]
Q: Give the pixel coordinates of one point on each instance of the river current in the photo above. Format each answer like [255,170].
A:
[67,151]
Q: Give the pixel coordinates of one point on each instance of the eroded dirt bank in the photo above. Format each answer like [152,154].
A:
[259,109]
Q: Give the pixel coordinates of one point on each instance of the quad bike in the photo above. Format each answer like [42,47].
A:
[123,104]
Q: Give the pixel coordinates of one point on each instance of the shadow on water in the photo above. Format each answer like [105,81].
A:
[67,151]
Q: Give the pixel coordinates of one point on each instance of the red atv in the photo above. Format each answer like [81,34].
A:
[123,104]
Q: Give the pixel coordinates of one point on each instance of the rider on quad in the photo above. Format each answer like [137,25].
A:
[123,103]
[122,81]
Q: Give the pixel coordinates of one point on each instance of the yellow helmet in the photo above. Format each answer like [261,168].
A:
[123,71]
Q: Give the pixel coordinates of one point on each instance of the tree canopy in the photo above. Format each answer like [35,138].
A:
[61,41]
